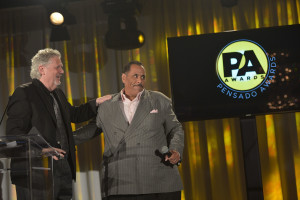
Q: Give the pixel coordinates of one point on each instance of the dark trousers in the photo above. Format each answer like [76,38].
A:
[62,179]
[23,193]
[157,196]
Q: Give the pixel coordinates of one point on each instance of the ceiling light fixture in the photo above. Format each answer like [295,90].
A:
[56,18]
[59,19]
[122,33]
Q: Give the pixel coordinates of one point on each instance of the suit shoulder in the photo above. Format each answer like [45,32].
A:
[22,89]
[21,93]
[158,95]
[25,85]
[114,97]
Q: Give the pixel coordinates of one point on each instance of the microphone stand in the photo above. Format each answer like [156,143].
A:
[3,114]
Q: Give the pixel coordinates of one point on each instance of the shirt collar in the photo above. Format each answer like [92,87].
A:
[138,96]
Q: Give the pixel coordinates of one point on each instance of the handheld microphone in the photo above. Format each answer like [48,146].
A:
[164,150]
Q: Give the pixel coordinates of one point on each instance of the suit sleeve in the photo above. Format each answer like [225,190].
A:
[89,131]
[86,132]
[173,128]
[19,114]
[83,112]
[80,113]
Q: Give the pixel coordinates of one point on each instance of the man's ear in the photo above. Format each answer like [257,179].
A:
[123,77]
[41,70]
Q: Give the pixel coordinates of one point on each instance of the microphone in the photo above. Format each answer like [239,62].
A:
[164,150]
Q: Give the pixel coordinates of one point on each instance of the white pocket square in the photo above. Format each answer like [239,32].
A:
[154,111]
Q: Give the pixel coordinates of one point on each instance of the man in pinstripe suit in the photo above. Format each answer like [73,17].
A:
[136,123]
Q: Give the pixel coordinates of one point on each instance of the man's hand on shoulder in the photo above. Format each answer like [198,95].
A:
[102,99]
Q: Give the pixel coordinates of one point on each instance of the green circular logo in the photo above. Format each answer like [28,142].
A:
[242,65]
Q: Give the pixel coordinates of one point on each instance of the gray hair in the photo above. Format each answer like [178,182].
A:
[42,58]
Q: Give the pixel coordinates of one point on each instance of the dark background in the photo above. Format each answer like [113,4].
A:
[194,80]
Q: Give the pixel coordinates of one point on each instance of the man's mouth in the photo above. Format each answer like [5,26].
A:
[139,85]
[57,81]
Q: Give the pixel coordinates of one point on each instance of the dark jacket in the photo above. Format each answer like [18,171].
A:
[31,106]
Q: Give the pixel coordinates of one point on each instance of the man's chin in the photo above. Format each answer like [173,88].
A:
[139,89]
[57,83]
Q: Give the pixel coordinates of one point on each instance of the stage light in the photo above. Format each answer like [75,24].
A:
[122,33]
[56,18]
[124,39]
[141,38]
[59,22]
[60,15]
[59,19]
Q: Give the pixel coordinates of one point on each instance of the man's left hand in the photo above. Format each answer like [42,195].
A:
[174,158]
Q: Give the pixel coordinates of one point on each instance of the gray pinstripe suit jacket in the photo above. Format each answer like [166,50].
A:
[131,162]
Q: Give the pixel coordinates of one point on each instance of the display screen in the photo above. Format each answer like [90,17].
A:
[235,74]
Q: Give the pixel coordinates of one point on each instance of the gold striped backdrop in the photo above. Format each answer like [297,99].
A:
[212,167]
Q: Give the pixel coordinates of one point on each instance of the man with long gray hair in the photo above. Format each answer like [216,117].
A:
[41,104]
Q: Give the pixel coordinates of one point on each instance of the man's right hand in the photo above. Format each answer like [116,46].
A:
[56,153]
[102,99]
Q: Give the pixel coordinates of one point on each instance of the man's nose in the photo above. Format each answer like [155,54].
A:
[139,79]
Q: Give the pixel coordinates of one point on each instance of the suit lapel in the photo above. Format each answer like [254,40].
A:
[45,100]
[141,112]
[119,117]
[118,114]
